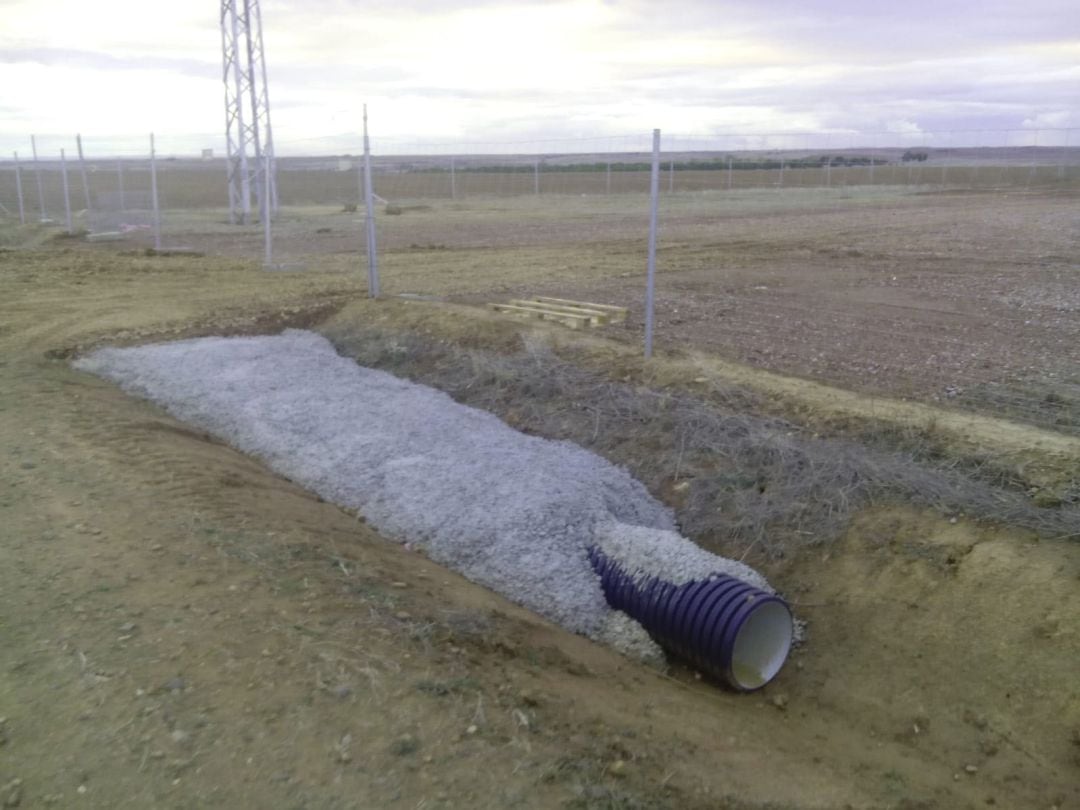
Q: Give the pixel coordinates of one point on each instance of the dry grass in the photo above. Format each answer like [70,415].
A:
[739,481]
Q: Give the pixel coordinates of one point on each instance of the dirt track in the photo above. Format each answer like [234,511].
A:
[182,628]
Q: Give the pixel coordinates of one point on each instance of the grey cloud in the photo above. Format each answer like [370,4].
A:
[979,87]
[361,7]
[306,75]
[827,20]
[943,65]
[106,61]
[860,30]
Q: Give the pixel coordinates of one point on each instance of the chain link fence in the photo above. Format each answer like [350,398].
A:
[937,267]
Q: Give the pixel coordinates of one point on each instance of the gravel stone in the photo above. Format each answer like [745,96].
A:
[515,513]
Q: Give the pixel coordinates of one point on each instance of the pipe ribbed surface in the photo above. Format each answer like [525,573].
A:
[722,626]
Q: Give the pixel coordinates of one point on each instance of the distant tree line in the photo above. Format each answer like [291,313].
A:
[716,164]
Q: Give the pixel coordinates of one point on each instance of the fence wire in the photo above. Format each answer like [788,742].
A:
[938,267]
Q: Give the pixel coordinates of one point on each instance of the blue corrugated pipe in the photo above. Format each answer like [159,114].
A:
[724,627]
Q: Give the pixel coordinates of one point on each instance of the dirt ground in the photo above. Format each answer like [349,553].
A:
[182,628]
[966,299]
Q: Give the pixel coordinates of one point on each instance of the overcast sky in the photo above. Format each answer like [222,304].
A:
[434,70]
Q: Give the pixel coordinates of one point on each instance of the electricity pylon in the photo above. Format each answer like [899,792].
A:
[247,112]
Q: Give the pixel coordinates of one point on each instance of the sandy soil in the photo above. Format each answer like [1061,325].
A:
[184,629]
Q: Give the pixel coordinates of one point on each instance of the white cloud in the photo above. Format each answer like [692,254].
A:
[57,100]
[114,27]
[432,69]
[903,127]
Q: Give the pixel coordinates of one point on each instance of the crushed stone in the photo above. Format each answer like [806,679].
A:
[645,552]
[513,512]
[624,634]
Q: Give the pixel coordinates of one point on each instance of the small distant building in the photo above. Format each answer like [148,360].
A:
[207,154]
[344,164]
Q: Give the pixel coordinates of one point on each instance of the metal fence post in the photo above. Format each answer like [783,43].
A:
[18,189]
[153,194]
[40,184]
[1031,169]
[944,162]
[536,177]
[82,171]
[1064,152]
[654,194]
[120,178]
[671,177]
[268,243]
[975,167]
[873,152]
[369,206]
[67,195]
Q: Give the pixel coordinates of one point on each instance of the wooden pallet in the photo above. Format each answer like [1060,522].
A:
[575,314]
[577,321]
[615,314]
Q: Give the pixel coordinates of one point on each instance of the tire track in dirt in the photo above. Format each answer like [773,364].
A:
[179,464]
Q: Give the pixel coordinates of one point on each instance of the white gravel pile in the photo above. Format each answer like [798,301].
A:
[647,552]
[515,513]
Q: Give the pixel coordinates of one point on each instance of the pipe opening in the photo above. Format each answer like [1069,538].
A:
[762,645]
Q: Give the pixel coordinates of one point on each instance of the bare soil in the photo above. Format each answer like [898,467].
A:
[965,298]
[970,301]
[184,629]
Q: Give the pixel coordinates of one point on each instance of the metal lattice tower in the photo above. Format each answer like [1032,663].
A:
[247,112]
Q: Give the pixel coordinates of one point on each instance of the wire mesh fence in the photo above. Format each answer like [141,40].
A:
[932,266]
